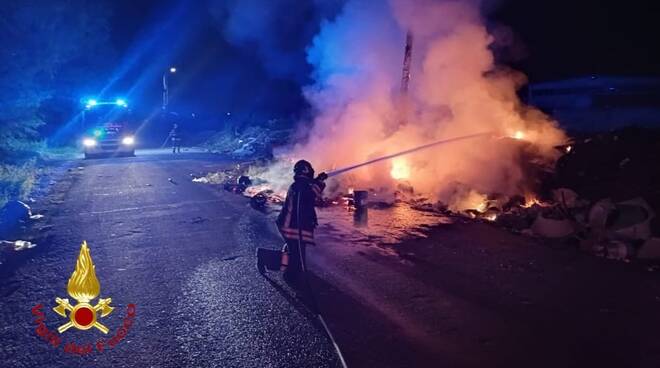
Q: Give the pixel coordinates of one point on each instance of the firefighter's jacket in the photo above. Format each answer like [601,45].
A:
[298,216]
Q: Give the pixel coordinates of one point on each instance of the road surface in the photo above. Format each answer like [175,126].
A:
[181,252]
[463,295]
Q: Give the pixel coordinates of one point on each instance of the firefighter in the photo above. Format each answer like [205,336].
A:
[298,219]
[175,138]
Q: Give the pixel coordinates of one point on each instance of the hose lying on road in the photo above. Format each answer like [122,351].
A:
[315,304]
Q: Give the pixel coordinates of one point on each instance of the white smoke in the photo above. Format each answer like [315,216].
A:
[456,89]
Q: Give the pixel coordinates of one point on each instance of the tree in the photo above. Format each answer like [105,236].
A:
[50,49]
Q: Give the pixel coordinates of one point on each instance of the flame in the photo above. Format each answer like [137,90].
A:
[530,201]
[481,207]
[519,134]
[350,190]
[491,217]
[400,169]
[83,284]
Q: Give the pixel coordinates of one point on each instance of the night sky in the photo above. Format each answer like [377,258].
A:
[564,38]
[548,40]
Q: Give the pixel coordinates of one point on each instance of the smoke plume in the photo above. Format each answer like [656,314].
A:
[456,89]
[277,31]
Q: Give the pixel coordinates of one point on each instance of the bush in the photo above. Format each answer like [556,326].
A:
[16,181]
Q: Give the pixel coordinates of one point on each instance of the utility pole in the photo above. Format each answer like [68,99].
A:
[407,60]
[405,79]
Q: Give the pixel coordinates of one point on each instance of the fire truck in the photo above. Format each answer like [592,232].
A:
[107,129]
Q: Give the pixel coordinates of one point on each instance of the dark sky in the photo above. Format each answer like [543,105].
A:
[553,39]
[564,38]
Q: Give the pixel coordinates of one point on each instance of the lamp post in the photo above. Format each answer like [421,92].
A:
[166,96]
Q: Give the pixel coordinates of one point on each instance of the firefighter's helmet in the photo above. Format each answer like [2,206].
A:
[303,167]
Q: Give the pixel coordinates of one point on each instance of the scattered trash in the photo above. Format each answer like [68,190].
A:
[549,227]
[567,198]
[631,220]
[19,244]
[619,250]
[650,249]
[599,213]
[576,209]
[37,217]
[244,181]
[259,200]
[203,180]
[211,178]
[172,181]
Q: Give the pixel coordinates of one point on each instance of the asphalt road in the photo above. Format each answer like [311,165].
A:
[458,294]
[181,252]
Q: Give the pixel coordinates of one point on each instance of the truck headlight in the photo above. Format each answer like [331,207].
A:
[128,140]
[89,142]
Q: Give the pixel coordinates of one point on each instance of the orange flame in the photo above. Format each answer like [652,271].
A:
[531,201]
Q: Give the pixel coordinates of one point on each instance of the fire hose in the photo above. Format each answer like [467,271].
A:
[311,294]
[408,151]
[341,171]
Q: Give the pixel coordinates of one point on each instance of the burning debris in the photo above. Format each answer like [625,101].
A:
[616,230]
[483,139]
[491,157]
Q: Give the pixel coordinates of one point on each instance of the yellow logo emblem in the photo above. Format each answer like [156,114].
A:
[83,286]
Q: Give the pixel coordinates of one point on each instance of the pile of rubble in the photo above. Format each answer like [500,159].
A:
[618,230]
[609,209]
[251,142]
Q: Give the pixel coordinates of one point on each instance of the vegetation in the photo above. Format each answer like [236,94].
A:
[49,51]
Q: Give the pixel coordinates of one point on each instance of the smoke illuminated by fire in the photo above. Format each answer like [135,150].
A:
[456,89]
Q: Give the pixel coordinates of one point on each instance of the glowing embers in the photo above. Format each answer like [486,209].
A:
[400,169]
[531,201]
[490,216]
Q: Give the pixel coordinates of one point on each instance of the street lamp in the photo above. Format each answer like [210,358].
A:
[166,96]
